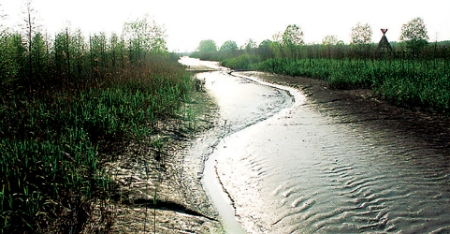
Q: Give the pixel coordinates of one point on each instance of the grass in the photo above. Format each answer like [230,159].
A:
[416,82]
[404,77]
[76,100]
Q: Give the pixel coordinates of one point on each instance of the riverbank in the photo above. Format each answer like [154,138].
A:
[180,204]
[363,105]
[156,189]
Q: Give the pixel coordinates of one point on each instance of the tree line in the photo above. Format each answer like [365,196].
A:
[290,43]
[413,72]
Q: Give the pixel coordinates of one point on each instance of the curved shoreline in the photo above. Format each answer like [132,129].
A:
[365,106]
[211,180]
[359,103]
[187,180]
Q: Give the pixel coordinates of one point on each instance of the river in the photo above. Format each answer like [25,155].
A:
[277,164]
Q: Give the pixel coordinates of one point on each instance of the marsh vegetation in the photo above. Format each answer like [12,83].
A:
[412,72]
[68,103]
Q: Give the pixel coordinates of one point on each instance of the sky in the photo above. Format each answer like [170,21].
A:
[187,22]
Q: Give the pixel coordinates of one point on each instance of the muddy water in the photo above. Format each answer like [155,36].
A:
[286,167]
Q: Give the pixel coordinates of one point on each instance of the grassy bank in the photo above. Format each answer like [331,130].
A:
[401,77]
[64,102]
[409,82]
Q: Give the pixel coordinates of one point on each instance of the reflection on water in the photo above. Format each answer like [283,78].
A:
[300,171]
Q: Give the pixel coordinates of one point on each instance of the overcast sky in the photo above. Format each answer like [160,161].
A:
[189,21]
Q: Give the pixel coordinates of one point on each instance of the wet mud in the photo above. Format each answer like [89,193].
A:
[338,161]
[158,190]
[303,158]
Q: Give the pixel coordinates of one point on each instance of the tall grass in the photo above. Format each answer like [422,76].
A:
[411,82]
[64,101]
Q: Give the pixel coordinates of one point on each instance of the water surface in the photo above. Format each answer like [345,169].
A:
[282,165]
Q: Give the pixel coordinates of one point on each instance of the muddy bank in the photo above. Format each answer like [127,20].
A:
[337,161]
[157,189]
[363,106]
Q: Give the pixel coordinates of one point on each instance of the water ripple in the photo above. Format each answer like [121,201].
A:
[310,171]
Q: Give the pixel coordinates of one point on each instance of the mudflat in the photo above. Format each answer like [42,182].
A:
[365,106]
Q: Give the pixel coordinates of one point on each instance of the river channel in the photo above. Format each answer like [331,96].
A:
[276,163]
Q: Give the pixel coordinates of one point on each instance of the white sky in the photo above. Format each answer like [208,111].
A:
[189,21]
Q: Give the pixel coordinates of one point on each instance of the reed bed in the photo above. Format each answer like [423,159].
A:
[65,101]
[404,77]
[410,82]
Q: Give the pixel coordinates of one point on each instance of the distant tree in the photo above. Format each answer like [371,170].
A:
[293,35]
[207,46]
[12,60]
[2,17]
[146,34]
[39,55]
[277,37]
[361,34]
[330,40]
[277,42]
[292,38]
[229,46]
[30,27]
[265,49]
[250,44]
[265,43]
[327,42]
[158,42]
[414,34]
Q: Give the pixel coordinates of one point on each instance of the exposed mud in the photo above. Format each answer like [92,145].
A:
[157,190]
[338,161]
[362,105]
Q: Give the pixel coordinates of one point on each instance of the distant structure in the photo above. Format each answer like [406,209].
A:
[384,45]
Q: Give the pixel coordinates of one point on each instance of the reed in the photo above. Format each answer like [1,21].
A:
[418,78]
[408,82]
[62,111]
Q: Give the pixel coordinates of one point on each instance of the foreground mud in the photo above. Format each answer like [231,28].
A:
[338,161]
[157,191]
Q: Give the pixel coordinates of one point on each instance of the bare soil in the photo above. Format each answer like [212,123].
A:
[163,195]
[363,106]
[155,191]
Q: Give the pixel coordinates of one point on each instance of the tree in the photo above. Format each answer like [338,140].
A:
[250,44]
[293,35]
[415,34]
[158,42]
[361,34]
[265,44]
[277,42]
[30,27]
[145,34]
[330,40]
[292,38]
[229,46]
[207,46]
[265,49]
[278,37]
[2,18]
